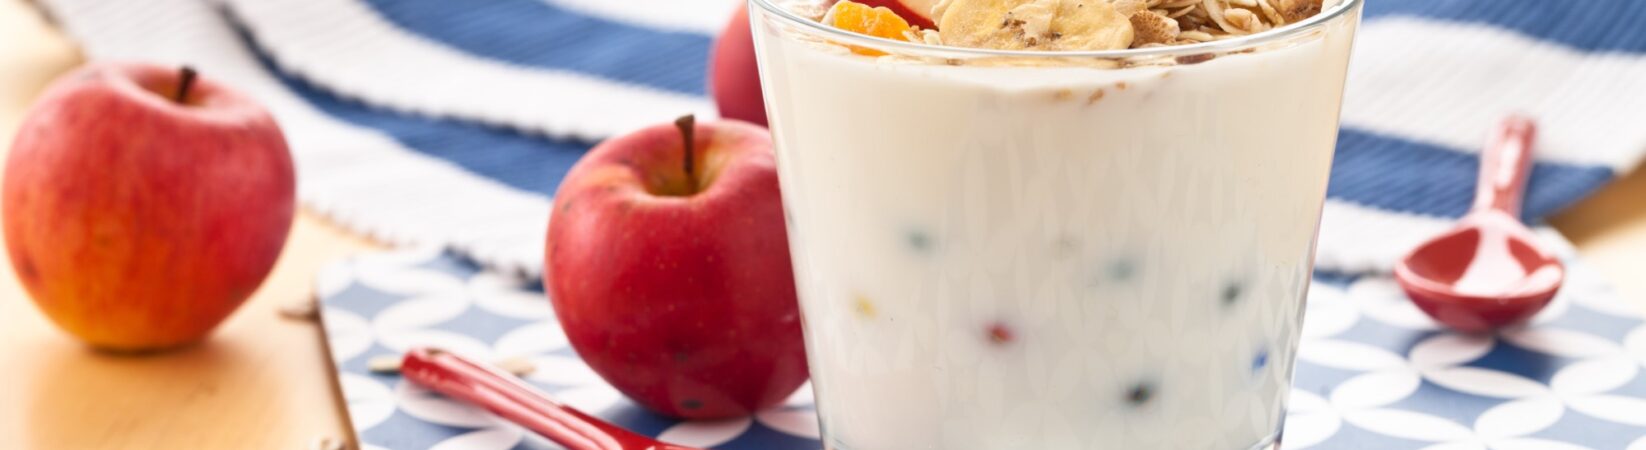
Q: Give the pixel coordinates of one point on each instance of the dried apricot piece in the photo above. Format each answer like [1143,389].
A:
[862,19]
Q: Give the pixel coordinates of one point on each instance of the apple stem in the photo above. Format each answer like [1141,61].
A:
[687,126]
[185,80]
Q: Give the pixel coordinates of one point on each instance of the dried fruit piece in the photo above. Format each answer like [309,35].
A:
[1153,28]
[862,19]
[1296,10]
[999,334]
[1035,24]
[917,12]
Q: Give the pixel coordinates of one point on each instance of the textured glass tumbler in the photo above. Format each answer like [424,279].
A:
[1021,250]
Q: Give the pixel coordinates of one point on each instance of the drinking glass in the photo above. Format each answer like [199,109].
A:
[1036,250]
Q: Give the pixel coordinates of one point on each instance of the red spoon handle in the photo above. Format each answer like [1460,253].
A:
[1505,165]
[507,396]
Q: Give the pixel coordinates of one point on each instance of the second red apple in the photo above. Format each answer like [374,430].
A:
[668,267]
[734,79]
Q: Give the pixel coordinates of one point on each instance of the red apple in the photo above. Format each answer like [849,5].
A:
[142,205]
[668,266]
[734,80]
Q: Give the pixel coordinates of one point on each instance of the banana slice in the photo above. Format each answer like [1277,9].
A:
[1129,7]
[1035,25]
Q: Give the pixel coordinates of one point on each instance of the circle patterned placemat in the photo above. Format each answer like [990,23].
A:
[1373,372]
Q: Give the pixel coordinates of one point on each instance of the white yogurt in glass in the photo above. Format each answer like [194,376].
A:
[1049,254]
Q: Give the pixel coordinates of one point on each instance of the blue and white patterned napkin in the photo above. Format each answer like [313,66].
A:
[1373,372]
[450,123]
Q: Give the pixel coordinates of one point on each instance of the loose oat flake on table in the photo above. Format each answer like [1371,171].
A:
[306,309]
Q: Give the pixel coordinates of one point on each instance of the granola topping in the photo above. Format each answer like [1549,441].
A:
[1054,25]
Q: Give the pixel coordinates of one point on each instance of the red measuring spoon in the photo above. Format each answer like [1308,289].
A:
[1489,271]
[512,399]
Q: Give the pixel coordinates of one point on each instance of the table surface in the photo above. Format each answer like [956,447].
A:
[262,381]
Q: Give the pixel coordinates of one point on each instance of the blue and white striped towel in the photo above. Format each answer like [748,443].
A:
[448,123]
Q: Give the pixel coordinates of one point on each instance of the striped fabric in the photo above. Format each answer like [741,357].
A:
[436,122]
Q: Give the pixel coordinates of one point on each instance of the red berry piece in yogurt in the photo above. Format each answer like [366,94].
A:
[1000,334]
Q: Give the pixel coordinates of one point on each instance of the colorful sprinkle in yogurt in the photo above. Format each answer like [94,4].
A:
[864,307]
[1000,334]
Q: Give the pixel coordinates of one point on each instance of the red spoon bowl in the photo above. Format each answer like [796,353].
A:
[1489,271]
[1448,278]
